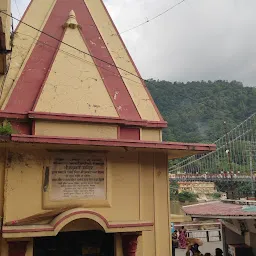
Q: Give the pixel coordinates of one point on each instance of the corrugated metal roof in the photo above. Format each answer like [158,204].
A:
[218,209]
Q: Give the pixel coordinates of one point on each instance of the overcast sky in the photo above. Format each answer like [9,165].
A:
[197,40]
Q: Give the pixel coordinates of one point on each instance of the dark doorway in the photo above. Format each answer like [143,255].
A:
[83,243]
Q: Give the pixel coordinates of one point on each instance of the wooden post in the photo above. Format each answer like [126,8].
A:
[130,243]
[17,248]
[207,236]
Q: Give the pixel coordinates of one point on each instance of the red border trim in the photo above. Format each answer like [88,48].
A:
[131,225]
[112,143]
[12,115]
[138,73]
[94,119]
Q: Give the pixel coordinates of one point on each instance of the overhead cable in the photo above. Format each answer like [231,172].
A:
[155,17]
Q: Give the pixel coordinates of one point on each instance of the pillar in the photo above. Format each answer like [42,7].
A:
[17,248]
[250,240]
[130,244]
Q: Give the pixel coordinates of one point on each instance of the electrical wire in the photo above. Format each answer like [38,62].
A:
[128,72]
[17,7]
[155,17]
[73,47]
[35,40]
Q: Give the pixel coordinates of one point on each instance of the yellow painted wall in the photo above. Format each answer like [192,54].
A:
[68,129]
[30,250]
[3,247]
[23,182]
[6,21]
[139,191]
[148,134]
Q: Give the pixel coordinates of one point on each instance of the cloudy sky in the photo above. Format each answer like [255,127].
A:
[197,40]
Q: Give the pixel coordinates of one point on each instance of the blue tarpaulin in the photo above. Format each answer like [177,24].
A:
[172,228]
[249,208]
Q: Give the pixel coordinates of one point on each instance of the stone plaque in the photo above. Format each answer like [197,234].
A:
[79,176]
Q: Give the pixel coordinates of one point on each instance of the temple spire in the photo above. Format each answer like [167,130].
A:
[71,21]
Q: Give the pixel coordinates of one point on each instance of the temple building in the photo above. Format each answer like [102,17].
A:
[83,169]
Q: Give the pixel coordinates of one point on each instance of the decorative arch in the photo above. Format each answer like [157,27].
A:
[67,217]
[63,219]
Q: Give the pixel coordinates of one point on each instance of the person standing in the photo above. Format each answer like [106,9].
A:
[195,249]
[182,238]
[174,242]
[218,252]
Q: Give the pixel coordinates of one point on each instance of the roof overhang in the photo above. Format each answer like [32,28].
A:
[45,116]
[218,210]
[173,149]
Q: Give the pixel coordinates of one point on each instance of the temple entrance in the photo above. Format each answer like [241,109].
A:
[81,243]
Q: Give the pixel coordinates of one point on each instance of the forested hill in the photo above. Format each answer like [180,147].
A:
[196,111]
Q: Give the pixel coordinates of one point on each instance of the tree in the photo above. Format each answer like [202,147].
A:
[186,196]
[245,189]
[216,195]
[195,111]
[174,186]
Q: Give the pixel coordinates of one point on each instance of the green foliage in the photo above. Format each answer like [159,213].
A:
[245,188]
[195,111]
[186,196]
[216,195]
[174,186]
[6,128]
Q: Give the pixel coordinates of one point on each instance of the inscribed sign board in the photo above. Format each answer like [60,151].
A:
[78,176]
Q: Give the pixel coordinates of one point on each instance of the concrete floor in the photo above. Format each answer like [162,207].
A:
[207,247]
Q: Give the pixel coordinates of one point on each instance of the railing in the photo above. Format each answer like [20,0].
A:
[209,178]
[241,202]
[211,235]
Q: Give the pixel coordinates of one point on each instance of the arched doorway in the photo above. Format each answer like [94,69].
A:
[82,237]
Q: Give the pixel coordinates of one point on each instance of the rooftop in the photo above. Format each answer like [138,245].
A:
[221,210]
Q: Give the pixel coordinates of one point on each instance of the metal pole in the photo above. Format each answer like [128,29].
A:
[251,169]
[228,148]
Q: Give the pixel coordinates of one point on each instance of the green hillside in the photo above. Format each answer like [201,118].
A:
[196,111]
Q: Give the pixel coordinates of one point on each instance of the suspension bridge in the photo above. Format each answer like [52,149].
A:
[233,162]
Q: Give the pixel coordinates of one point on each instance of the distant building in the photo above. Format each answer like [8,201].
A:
[197,187]
[238,219]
